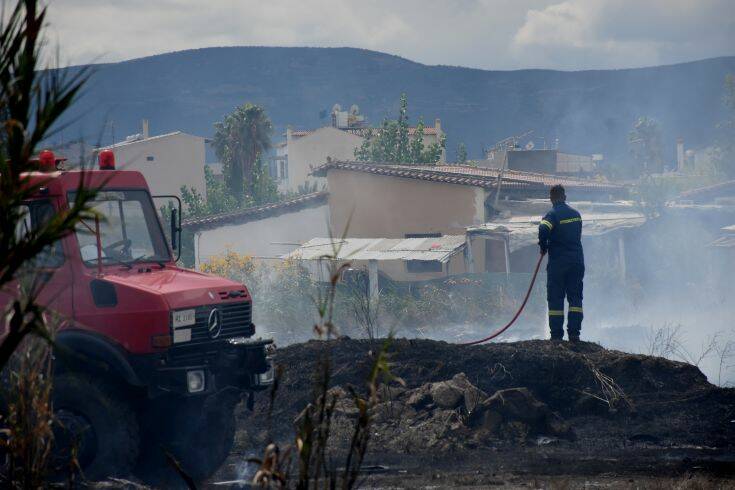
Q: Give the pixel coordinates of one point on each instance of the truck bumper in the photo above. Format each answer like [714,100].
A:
[239,363]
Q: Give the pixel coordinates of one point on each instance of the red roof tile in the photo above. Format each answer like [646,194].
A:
[473,176]
[256,212]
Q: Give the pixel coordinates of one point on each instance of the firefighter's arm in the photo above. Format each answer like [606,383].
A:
[544,232]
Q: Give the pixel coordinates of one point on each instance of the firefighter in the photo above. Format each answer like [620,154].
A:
[560,234]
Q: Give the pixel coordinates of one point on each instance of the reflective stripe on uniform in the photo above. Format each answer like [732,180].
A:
[546,223]
[575,309]
[569,220]
[556,312]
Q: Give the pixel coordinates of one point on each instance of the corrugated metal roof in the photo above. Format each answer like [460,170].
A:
[522,231]
[439,249]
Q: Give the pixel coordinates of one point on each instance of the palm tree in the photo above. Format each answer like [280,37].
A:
[239,142]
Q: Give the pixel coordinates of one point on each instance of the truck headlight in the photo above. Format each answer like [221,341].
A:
[195,381]
[266,378]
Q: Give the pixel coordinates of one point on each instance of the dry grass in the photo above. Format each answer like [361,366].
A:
[316,458]
[28,433]
[610,391]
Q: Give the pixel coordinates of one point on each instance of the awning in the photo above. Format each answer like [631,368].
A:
[522,231]
[439,249]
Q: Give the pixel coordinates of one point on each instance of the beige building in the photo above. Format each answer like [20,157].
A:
[544,161]
[302,151]
[168,161]
[369,200]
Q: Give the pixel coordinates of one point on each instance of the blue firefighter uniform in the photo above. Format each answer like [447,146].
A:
[560,234]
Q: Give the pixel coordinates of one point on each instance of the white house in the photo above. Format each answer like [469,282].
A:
[266,231]
[168,161]
[303,150]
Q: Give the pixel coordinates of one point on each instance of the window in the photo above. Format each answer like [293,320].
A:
[284,170]
[35,214]
[424,265]
[150,158]
[423,235]
[273,170]
[129,230]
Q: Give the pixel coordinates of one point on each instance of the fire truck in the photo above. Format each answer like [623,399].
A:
[149,357]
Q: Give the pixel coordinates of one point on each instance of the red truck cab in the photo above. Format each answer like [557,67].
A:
[147,354]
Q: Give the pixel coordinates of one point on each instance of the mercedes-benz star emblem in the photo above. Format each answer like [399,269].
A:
[214,323]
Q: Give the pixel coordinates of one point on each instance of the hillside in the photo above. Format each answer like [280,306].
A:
[588,111]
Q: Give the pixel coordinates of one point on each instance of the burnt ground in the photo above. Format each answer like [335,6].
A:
[586,412]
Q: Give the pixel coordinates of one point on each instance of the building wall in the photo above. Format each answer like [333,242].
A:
[312,150]
[388,207]
[269,237]
[167,162]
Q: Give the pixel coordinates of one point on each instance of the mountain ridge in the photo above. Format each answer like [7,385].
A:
[588,111]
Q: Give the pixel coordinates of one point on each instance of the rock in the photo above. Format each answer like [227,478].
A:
[454,393]
[446,395]
[420,397]
[518,412]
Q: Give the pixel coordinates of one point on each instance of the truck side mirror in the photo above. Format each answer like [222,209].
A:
[175,224]
[174,230]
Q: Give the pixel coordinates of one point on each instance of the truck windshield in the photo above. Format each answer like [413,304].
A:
[36,213]
[129,229]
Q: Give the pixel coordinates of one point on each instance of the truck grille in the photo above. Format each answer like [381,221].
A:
[236,321]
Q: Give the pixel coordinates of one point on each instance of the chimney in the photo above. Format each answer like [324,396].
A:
[288,133]
[438,126]
[680,163]
[144,123]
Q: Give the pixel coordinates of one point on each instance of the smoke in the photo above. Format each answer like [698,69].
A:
[676,286]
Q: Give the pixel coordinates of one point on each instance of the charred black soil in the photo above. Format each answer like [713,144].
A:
[529,408]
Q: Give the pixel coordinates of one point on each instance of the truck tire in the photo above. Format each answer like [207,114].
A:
[204,446]
[101,422]
[198,433]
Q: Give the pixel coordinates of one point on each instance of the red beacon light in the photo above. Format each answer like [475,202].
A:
[47,161]
[107,160]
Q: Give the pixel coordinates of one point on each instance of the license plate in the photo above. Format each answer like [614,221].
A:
[183,318]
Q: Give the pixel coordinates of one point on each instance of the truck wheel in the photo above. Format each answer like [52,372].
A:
[99,422]
[198,433]
[203,446]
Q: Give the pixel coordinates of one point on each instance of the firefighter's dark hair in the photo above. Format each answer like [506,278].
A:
[557,193]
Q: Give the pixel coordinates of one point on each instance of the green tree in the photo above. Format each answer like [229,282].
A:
[461,153]
[239,142]
[402,143]
[645,145]
[392,142]
[417,143]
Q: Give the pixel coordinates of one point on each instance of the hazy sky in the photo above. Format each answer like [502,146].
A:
[493,34]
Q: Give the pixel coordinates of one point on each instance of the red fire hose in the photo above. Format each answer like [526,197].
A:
[518,313]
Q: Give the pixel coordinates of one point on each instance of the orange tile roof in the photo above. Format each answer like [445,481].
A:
[256,212]
[473,176]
